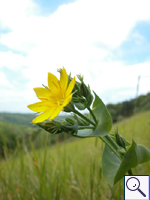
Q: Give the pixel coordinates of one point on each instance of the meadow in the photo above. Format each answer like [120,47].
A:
[70,170]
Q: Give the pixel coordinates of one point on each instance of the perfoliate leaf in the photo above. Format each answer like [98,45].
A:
[110,165]
[114,169]
[103,117]
[136,154]
[104,121]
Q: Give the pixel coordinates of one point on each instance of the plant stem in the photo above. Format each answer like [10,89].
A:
[107,142]
[86,127]
[91,112]
[106,139]
[84,117]
[130,172]
[112,142]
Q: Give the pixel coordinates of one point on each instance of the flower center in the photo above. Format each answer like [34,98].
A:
[60,102]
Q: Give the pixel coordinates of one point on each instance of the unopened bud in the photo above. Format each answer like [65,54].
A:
[89,100]
[70,121]
[80,106]
[81,122]
[84,90]
[120,140]
[69,107]
[79,102]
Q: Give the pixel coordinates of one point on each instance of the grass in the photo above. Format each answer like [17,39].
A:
[68,171]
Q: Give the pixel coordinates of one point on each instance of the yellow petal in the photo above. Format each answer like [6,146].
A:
[45,115]
[38,107]
[42,92]
[63,80]
[52,78]
[56,112]
[70,87]
[67,100]
[53,85]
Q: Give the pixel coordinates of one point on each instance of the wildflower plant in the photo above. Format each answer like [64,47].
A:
[72,96]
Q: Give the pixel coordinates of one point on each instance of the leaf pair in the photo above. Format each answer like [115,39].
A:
[104,121]
[114,169]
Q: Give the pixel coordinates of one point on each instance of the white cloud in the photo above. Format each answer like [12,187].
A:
[14,13]
[11,60]
[118,83]
[78,36]
[4,83]
[74,27]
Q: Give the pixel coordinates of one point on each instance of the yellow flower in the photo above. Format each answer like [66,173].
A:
[53,98]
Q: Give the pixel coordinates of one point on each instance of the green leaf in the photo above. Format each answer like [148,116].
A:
[104,121]
[110,165]
[136,154]
[103,117]
[114,169]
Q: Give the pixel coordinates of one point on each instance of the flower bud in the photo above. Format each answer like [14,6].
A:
[76,90]
[120,140]
[80,106]
[84,90]
[69,125]
[70,121]
[79,102]
[81,122]
[89,100]
[69,107]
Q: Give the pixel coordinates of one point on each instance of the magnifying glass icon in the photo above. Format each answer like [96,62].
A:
[133,184]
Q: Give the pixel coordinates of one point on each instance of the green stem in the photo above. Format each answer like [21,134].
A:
[108,137]
[130,172]
[91,112]
[86,127]
[84,117]
[107,142]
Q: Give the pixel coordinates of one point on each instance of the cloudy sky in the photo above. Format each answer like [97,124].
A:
[106,41]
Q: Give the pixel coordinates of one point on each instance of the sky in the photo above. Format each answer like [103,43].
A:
[108,42]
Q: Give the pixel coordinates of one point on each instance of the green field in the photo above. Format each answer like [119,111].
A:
[69,170]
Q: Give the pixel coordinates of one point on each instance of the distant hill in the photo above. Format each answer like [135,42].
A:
[128,108]
[18,118]
[117,111]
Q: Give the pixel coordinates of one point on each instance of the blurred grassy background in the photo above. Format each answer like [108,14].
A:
[67,170]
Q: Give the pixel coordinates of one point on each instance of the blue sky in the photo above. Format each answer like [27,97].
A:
[106,41]
[136,48]
[49,6]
